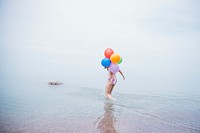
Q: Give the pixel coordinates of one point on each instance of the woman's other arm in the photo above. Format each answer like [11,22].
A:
[122,74]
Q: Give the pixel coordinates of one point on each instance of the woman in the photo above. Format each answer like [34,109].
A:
[112,80]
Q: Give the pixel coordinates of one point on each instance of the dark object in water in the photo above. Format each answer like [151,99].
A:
[55,83]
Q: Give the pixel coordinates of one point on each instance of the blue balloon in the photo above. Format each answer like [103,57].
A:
[105,62]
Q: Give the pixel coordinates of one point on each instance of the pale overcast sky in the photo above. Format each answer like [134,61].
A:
[52,25]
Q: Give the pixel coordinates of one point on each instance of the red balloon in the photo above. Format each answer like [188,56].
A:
[108,52]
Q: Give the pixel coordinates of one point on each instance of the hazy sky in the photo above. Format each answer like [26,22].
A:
[157,36]
[132,24]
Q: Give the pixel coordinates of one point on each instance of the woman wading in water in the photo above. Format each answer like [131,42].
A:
[112,79]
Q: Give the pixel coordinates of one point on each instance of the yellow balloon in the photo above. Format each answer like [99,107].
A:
[115,58]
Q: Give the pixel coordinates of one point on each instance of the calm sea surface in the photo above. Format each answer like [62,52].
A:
[29,104]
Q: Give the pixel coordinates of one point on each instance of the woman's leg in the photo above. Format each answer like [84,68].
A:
[108,89]
[111,88]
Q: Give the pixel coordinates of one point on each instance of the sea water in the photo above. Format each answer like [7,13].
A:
[29,104]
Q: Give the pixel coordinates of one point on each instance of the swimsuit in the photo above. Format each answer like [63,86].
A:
[113,80]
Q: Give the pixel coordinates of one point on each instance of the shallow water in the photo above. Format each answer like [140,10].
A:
[29,107]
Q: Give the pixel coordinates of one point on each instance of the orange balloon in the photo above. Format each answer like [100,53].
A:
[115,58]
[108,52]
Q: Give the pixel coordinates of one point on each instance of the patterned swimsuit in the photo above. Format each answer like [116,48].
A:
[112,80]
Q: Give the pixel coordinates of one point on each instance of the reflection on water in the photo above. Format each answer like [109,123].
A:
[107,122]
[29,107]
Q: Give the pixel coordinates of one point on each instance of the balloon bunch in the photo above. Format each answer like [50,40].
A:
[111,60]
